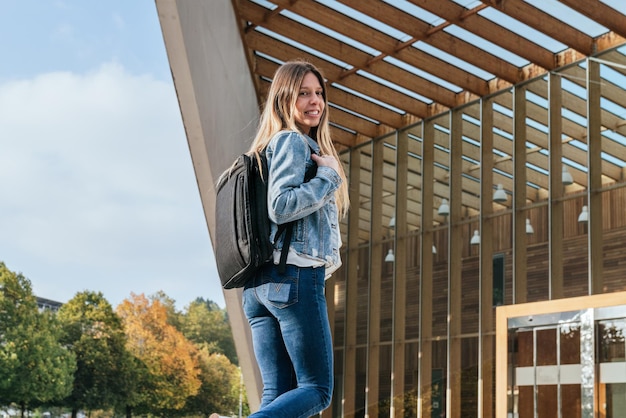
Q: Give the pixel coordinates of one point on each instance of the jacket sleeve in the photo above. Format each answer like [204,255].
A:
[289,198]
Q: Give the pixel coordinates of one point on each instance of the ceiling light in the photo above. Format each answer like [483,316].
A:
[584,215]
[392,222]
[444,208]
[475,238]
[389,258]
[529,227]
[566,176]
[499,195]
[434,249]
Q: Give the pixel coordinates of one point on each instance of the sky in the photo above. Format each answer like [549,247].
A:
[97,188]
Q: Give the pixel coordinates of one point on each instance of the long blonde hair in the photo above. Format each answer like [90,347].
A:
[278,115]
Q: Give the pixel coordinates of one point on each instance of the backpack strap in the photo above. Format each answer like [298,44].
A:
[282,265]
[288,227]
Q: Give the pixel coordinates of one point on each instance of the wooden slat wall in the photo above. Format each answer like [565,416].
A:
[575,272]
[614,220]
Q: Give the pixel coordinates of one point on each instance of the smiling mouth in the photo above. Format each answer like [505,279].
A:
[312,112]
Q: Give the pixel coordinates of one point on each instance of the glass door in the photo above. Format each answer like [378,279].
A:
[546,375]
[568,364]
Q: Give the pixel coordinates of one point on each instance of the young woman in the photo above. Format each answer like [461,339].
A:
[287,311]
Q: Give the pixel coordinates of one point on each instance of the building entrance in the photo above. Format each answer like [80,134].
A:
[563,364]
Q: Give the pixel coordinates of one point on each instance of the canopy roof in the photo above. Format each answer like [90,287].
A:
[391,64]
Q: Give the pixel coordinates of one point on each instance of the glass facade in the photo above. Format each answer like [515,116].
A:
[414,305]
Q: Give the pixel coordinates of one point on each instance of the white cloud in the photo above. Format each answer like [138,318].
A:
[97,190]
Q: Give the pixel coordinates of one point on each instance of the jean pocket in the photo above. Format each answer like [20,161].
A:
[282,293]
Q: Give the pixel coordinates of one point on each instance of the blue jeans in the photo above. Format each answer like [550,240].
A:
[292,341]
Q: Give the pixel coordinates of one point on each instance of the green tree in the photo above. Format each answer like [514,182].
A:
[171,364]
[205,324]
[34,367]
[221,387]
[104,375]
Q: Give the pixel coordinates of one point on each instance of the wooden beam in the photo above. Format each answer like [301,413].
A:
[489,30]
[369,88]
[350,121]
[353,56]
[387,45]
[423,31]
[600,13]
[266,69]
[545,23]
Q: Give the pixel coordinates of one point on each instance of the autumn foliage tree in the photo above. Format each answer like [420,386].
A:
[171,361]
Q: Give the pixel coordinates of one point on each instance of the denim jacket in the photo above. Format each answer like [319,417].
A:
[311,204]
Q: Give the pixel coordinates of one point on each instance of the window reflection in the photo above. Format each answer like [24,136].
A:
[612,370]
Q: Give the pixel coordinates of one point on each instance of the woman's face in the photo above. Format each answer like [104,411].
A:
[310,103]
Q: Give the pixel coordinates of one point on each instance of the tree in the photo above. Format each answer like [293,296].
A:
[221,387]
[34,367]
[104,375]
[173,316]
[170,360]
[205,324]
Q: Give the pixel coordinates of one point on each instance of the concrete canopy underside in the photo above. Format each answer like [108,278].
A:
[219,110]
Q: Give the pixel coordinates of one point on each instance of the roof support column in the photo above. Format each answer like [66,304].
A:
[594,167]
[399,284]
[426,274]
[486,326]
[372,389]
[555,215]
[455,263]
[348,400]
[519,194]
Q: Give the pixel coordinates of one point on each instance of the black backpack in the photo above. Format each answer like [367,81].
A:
[242,225]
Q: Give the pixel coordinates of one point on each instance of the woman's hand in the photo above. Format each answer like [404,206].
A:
[326,161]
